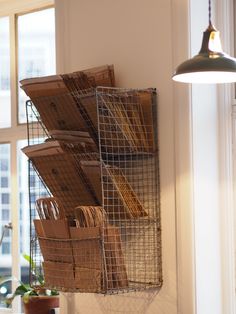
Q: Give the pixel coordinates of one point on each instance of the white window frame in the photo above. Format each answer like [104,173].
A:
[188,294]
[12,9]
[226,98]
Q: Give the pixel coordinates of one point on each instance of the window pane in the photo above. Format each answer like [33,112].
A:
[4,164]
[23,207]
[23,199]
[36,49]
[4,182]
[5,198]
[6,248]
[5,213]
[5,101]
[25,203]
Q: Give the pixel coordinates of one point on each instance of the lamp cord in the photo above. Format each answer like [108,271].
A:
[209,11]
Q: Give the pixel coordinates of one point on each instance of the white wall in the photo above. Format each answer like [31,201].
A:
[135,36]
[145,40]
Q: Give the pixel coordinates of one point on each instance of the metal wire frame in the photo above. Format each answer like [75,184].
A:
[37,133]
[141,237]
[120,157]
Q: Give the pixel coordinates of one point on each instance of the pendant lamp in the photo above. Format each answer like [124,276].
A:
[211,65]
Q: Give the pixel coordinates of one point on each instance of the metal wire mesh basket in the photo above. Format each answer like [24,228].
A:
[98,229]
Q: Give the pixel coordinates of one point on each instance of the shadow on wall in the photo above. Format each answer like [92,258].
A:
[132,303]
[143,302]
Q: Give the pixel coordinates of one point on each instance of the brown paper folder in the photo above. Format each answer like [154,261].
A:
[53,236]
[59,275]
[57,97]
[115,263]
[87,248]
[55,229]
[87,279]
[120,200]
[61,175]
[88,258]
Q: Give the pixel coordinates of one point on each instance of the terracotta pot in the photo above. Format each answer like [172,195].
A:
[41,304]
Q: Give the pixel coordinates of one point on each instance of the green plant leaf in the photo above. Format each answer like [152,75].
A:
[9,299]
[29,260]
[54,292]
[39,277]
[22,289]
[26,297]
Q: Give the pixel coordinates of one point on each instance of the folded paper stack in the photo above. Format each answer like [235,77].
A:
[74,258]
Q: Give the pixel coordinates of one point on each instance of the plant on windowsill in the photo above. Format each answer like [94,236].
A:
[36,300]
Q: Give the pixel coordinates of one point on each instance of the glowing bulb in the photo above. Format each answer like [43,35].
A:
[214,42]
[208,77]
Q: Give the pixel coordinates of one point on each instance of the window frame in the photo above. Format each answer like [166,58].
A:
[17,131]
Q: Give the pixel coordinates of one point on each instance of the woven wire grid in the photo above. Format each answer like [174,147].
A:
[127,121]
[37,189]
[120,173]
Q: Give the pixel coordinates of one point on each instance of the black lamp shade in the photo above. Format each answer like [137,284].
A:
[211,65]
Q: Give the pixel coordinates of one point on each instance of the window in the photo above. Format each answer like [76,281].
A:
[5,198]
[5,215]
[27,49]
[5,212]
[23,200]
[6,248]
[5,98]
[4,182]
[36,49]
[4,164]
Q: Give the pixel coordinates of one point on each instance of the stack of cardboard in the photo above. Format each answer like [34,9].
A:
[59,170]
[68,102]
[126,120]
[73,255]
[72,172]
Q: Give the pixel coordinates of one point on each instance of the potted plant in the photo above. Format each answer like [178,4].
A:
[36,300]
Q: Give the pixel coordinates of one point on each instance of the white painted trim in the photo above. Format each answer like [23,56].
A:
[13,74]
[225,100]
[226,203]
[20,6]
[184,204]
[183,164]
[16,132]
[15,223]
[5,311]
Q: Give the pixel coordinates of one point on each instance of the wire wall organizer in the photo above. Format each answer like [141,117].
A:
[96,213]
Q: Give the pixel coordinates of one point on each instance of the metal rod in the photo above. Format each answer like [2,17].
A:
[8,226]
